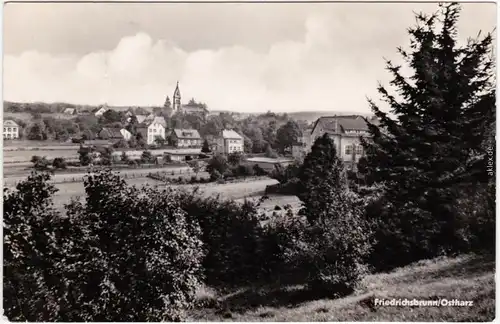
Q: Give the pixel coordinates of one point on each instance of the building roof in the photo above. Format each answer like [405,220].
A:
[9,123]
[156,120]
[340,124]
[187,133]
[111,132]
[99,108]
[230,134]
[69,111]
[141,118]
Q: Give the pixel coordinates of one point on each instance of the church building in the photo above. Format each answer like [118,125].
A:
[177,107]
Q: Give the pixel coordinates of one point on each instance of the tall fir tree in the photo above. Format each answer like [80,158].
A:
[322,178]
[434,145]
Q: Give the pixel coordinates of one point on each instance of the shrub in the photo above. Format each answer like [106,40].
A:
[104,244]
[147,157]
[59,163]
[259,171]
[40,163]
[217,165]
[215,175]
[232,235]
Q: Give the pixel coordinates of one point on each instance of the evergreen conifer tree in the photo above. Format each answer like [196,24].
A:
[322,178]
[433,146]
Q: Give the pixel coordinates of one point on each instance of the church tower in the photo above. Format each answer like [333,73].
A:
[177,98]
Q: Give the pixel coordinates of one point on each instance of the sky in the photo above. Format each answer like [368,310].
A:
[244,57]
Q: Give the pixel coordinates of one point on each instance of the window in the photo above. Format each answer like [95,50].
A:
[359,149]
[5,129]
[9,129]
[348,149]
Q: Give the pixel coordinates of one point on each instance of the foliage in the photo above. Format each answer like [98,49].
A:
[85,155]
[217,165]
[51,260]
[258,170]
[59,163]
[232,236]
[285,174]
[434,145]
[147,157]
[288,135]
[124,157]
[160,141]
[37,132]
[235,158]
[195,167]
[270,153]
[40,163]
[205,148]
[122,143]
[322,178]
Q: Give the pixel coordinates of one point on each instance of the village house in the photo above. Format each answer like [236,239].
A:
[69,111]
[10,129]
[229,142]
[186,138]
[151,131]
[345,131]
[99,111]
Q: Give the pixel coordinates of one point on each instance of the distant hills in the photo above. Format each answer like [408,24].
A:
[309,116]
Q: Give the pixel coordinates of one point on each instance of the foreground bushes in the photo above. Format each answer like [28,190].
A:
[232,234]
[126,255]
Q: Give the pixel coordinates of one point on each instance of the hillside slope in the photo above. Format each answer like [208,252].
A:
[466,278]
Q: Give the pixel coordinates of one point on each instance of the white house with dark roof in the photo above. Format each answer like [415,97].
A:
[10,129]
[186,138]
[345,131]
[229,142]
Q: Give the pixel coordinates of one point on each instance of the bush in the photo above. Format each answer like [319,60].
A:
[59,163]
[259,171]
[336,249]
[40,163]
[289,188]
[217,166]
[232,235]
[106,245]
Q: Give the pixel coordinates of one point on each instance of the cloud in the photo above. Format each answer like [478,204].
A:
[329,68]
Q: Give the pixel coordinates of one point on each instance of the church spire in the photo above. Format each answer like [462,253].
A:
[177,98]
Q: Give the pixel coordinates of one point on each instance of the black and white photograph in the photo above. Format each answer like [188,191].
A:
[249,161]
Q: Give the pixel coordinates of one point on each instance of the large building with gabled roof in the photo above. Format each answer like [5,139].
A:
[345,131]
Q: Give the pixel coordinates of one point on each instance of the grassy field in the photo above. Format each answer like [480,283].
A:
[236,191]
[25,156]
[466,278]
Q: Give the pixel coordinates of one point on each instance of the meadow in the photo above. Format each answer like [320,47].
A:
[466,277]
[238,190]
[25,155]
